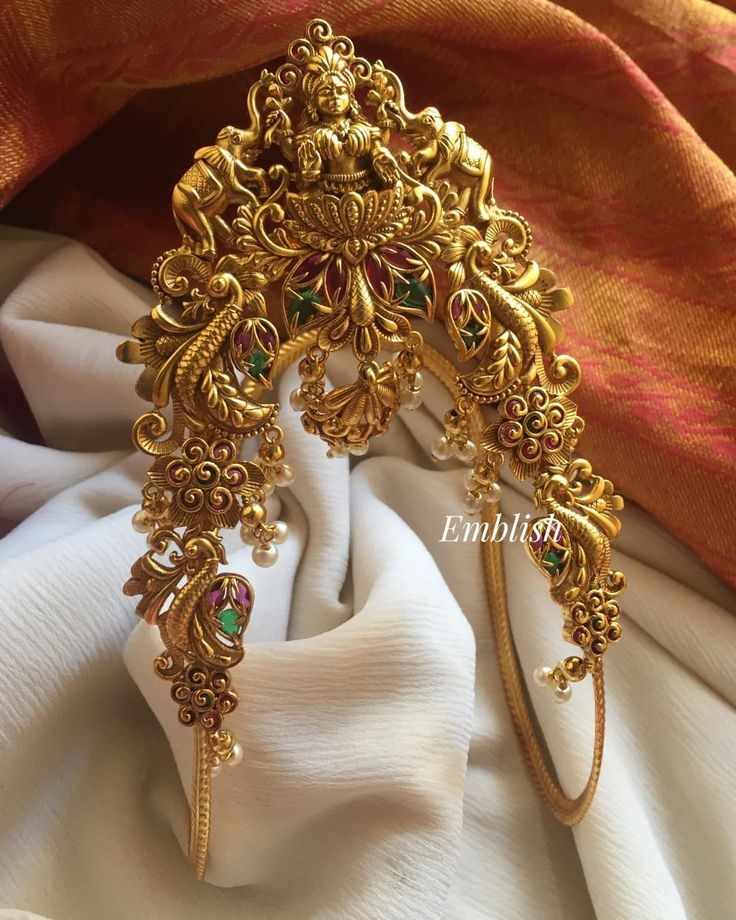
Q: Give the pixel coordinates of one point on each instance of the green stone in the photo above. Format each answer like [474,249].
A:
[257,363]
[472,331]
[553,561]
[229,621]
[302,306]
[412,292]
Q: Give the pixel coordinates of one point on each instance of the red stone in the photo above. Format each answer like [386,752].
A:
[243,338]
[242,594]
[399,257]
[217,594]
[379,276]
[308,269]
[335,280]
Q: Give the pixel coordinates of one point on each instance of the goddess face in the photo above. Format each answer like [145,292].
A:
[333,97]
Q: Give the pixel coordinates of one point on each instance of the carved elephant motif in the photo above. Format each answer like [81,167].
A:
[217,179]
[444,148]
[448,152]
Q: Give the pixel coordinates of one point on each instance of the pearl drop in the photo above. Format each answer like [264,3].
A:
[265,555]
[410,400]
[492,494]
[359,450]
[247,536]
[563,694]
[469,480]
[215,769]
[297,401]
[281,531]
[284,476]
[141,521]
[441,449]
[472,503]
[467,452]
[268,488]
[542,676]
[236,755]
[339,450]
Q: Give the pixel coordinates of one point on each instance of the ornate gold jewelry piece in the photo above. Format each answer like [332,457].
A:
[371,218]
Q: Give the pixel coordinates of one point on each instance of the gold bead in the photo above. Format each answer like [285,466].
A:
[253,514]
[274,453]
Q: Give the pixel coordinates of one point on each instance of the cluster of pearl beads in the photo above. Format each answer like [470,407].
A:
[264,537]
[564,673]
[455,441]
[550,677]
[231,759]
[480,487]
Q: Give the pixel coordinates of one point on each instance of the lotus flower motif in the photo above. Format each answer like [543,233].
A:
[357,278]
[351,225]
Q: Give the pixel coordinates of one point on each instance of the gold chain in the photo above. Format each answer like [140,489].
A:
[565,809]
[199,824]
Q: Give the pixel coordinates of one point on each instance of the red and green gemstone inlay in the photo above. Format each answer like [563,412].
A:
[553,561]
[254,347]
[302,306]
[468,321]
[412,292]
[231,600]
[473,332]
[229,621]
[549,546]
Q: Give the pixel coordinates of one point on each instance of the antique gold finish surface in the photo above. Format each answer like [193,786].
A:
[360,220]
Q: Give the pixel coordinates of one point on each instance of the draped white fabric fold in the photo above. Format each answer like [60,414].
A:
[353,801]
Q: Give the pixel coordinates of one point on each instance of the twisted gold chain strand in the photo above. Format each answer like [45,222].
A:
[568,811]
[199,814]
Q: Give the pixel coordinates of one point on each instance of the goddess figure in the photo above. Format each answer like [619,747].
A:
[335,145]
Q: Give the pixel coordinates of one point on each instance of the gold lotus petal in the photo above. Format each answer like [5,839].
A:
[352,210]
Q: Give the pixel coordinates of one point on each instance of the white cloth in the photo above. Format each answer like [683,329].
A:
[353,801]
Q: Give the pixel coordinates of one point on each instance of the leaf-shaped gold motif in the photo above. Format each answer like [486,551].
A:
[468,319]
[227,405]
[254,345]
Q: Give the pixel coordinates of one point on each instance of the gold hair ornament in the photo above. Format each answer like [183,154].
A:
[352,230]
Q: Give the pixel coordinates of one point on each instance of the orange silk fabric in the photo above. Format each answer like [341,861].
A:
[612,124]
